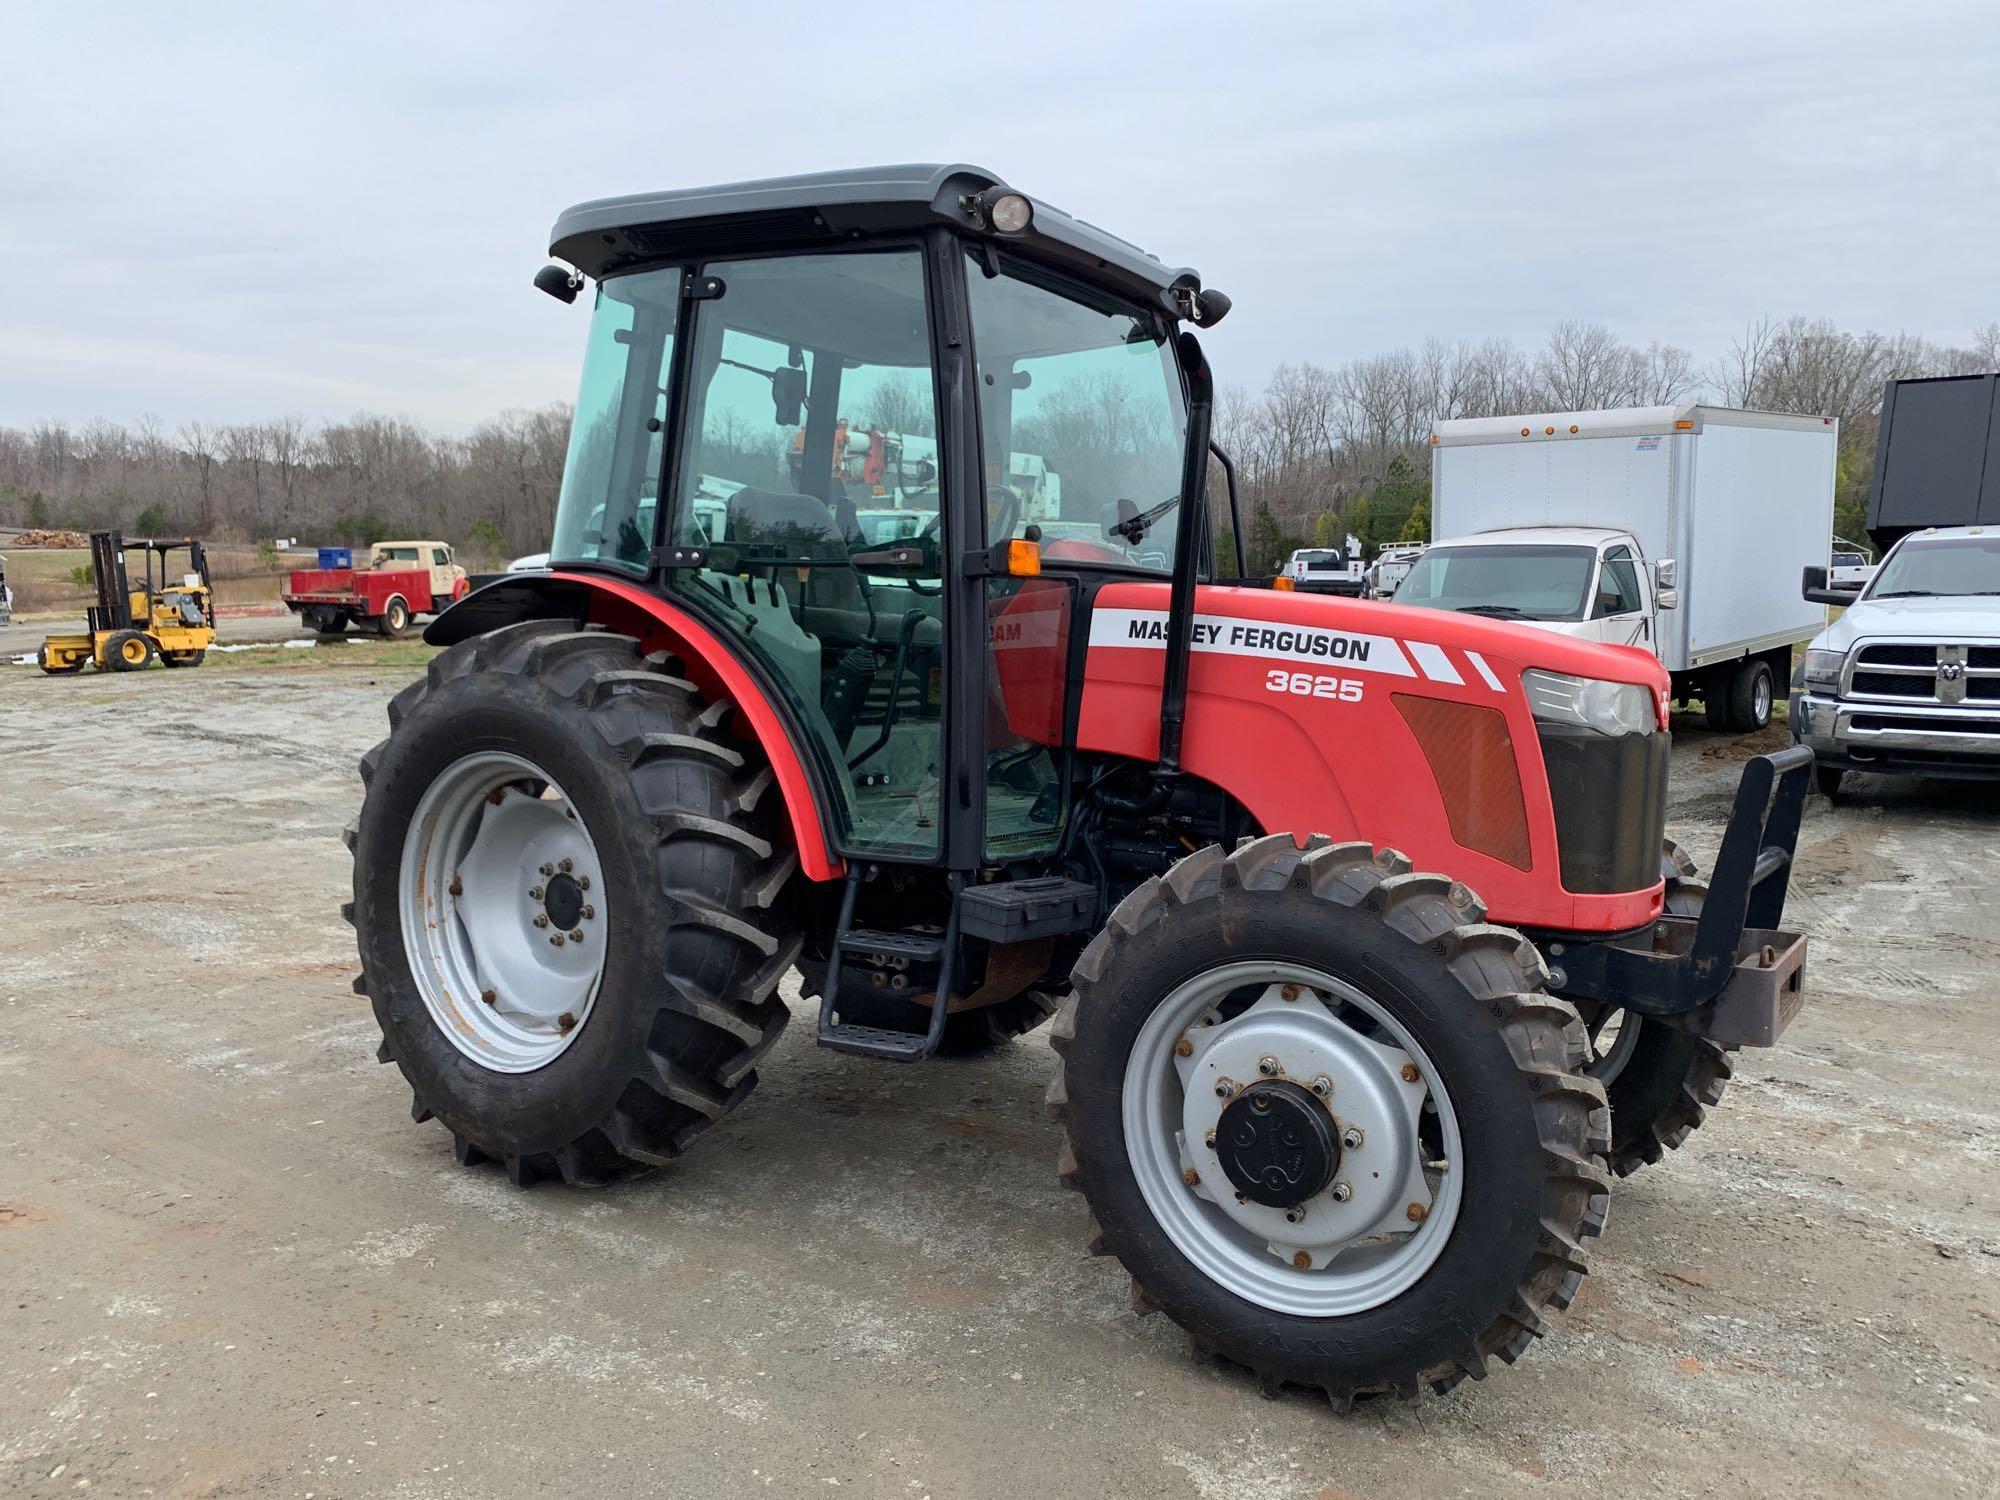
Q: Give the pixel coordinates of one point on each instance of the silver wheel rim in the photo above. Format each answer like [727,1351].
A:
[1359,1252]
[1762,696]
[495,860]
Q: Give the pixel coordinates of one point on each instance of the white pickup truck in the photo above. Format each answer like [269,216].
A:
[1907,680]
[1660,527]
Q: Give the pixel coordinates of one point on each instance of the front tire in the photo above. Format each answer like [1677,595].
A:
[129,651]
[1412,1002]
[1660,1082]
[587,757]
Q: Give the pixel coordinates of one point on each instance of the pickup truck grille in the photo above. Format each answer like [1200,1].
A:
[1926,672]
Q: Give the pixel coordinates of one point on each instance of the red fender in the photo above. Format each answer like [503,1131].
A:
[661,625]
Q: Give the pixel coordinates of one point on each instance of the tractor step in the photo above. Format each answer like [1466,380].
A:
[892,950]
[1019,911]
[874,1041]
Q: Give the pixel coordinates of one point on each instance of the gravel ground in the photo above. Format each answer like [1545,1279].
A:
[233,1266]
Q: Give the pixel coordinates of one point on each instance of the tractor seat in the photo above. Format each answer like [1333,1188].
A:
[803,526]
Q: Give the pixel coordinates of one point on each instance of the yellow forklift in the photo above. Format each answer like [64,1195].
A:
[172,619]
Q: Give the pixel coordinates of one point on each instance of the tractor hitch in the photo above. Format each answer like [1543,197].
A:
[1731,974]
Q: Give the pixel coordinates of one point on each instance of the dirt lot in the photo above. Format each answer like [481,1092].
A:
[233,1266]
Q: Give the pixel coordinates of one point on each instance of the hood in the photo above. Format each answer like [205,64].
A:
[1950,618]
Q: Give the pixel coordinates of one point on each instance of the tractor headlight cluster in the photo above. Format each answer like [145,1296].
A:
[1823,668]
[1560,701]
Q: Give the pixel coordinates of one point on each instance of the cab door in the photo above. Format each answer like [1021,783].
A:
[1621,609]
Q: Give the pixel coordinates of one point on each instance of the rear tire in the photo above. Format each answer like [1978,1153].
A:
[1740,695]
[1827,779]
[695,857]
[42,661]
[326,623]
[129,651]
[184,658]
[394,619]
[1529,1174]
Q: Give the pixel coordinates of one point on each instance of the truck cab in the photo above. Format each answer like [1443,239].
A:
[1592,583]
[433,556]
[1907,680]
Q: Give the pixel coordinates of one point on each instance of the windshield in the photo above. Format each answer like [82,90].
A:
[1537,581]
[1940,567]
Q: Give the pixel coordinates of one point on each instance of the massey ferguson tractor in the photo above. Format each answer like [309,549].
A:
[1366,962]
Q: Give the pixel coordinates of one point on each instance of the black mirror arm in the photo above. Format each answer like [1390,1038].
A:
[1187,551]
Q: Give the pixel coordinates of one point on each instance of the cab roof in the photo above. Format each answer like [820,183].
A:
[608,235]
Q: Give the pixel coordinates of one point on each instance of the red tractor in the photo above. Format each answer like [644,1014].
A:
[1367,962]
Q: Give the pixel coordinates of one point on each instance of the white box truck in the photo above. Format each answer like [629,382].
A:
[1676,528]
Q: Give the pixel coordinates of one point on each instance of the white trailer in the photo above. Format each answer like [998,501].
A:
[1719,509]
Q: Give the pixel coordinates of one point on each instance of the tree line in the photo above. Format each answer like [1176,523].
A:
[1322,452]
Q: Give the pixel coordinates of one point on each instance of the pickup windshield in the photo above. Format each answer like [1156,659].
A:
[1530,581]
[1941,567]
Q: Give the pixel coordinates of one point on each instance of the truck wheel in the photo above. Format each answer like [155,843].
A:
[966,1033]
[128,651]
[1739,696]
[1326,1117]
[184,658]
[564,887]
[326,622]
[394,619]
[1660,1082]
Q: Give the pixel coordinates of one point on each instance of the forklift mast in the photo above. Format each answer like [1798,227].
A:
[113,610]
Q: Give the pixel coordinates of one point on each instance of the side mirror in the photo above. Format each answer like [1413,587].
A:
[1667,599]
[559,282]
[1813,589]
[788,394]
[1666,576]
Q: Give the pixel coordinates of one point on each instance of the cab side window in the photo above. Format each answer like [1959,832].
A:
[1618,585]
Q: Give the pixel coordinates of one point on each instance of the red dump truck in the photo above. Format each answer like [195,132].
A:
[396,582]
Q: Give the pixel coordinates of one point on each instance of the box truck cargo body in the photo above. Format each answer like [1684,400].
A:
[1722,509]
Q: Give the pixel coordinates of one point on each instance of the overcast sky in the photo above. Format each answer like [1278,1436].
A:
[236,211]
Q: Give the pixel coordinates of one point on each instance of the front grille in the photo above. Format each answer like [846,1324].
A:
[1926,672]
[1610,799]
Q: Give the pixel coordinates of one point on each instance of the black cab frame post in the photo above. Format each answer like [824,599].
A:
[1187,551]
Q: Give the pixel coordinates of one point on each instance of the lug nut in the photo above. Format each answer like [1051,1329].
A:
[1224,1088]
[565,866]
[534,893]
[1302,1261]
[488,996]
[1351,1138]
[1323,1086]
[1294,1214]
[583,884]
[1209,1140]
[589,911]
[1184,1048]
[1268,1066]
[1340,1192]
[541,919]
[1416,1213]
[548,869]
[565,1023]
[1289,992]
[576,934]
[1410,1073]
[1190,1176]
[457,887]
[556,940]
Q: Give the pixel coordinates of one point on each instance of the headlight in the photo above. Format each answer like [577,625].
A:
[1823,668]
[1560,701]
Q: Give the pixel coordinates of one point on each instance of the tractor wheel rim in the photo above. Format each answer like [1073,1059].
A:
[1612,1045]
[134,651]
[503,912]
[1392,1197]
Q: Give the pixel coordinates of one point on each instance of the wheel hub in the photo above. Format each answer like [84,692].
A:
[562,899]
[1277,1143]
